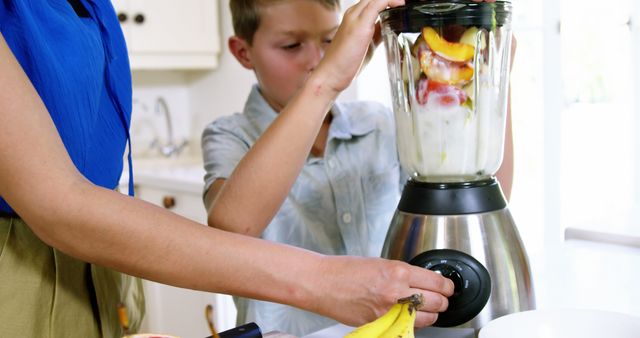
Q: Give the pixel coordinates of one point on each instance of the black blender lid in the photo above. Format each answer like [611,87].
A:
[416,14]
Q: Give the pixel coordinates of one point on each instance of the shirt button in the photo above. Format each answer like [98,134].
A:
[346,217]
[332,163]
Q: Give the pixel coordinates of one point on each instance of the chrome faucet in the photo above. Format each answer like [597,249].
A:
[170,148]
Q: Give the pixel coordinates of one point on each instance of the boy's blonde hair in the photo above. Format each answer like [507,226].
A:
[246,15]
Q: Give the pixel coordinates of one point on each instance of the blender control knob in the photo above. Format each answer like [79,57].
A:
[451,273]
[471,280]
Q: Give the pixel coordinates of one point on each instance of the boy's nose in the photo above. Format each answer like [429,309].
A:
[315,54]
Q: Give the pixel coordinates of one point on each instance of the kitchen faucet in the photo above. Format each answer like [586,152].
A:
[170,148]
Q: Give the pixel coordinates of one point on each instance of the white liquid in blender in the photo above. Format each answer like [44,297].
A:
[442,139]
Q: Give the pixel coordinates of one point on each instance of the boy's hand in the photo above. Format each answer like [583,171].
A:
[344,56]
[355,40]
[377,38]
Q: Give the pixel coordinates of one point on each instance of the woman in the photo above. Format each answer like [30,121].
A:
[65,102]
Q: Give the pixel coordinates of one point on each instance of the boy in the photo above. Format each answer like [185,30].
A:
[348,189]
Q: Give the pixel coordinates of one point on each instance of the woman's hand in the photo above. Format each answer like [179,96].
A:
[355,290]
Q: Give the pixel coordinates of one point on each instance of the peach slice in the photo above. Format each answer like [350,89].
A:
[452,51]
[472,37]
[443,71]
[469,36]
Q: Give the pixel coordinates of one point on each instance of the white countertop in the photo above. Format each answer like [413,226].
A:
[341,330]
[184,174]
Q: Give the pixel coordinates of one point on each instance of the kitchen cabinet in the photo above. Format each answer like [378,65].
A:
[170,34]
[169,309]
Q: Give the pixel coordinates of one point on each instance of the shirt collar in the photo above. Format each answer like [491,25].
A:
[258,111]
[346,124]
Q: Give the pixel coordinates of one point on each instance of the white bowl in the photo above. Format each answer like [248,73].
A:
[563,323]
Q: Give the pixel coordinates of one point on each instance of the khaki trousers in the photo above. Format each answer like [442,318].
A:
[47,294]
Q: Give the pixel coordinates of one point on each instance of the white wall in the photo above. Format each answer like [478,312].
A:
[220,92]
[195,98]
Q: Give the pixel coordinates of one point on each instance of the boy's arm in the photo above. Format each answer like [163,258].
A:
[223,147]
[210,196]
[505,172]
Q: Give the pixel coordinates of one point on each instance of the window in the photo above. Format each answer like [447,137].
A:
[599,118]
[575,118]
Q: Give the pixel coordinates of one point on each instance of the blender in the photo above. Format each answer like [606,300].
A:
[448,65]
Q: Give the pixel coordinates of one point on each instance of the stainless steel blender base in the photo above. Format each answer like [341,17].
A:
[491,238]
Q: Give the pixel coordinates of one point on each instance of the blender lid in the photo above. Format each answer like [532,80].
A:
[416,14]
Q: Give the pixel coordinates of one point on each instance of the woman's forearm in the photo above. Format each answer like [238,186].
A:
[144,240]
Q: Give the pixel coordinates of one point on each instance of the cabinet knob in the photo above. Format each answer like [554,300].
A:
[168,202]
[122,17]
[139,18]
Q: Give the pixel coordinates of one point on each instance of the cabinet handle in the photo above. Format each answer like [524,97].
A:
[139,18]
[168,202]
[122,17]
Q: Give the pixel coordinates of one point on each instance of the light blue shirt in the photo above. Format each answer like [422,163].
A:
[341,204]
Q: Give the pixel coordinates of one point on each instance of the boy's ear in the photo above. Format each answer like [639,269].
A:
[240,49]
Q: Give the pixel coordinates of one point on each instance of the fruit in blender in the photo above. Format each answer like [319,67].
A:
[441,93]
[452,51]
[444,71]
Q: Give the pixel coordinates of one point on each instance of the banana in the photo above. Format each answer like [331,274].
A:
[378,326]
[396,323]
[403,326]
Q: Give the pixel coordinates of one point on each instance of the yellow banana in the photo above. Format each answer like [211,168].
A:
[396,323]
[403,326]
[378,326]
[411,333]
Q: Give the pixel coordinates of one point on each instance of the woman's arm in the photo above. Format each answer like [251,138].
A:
[107,228]
[101,226]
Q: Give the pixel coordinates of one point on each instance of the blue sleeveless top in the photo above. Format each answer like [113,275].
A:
[77,61]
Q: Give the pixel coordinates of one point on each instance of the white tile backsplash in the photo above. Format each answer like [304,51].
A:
[148,121]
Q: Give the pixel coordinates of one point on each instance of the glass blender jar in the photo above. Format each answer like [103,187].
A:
[448,63]
[448,66]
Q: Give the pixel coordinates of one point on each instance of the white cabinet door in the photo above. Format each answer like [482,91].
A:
[170,34]
[172,26]
[173,310]
[181,312]
[187,204]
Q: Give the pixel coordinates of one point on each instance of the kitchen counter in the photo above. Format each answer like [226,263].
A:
[341,330]
[182,174]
